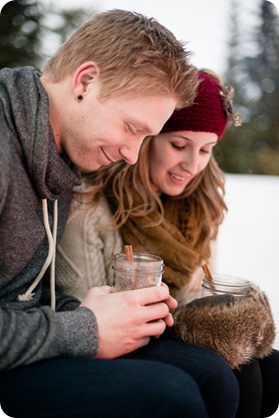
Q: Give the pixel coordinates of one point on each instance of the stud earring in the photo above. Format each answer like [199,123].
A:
[80,97]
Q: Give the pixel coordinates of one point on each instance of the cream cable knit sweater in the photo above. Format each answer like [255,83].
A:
[84,255]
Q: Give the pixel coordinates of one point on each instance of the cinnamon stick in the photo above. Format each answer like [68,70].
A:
[129,252]
[207,272]
[209,277]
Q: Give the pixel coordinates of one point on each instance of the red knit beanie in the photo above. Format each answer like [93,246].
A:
[207,114]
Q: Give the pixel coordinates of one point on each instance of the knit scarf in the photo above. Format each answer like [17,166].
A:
[173,239]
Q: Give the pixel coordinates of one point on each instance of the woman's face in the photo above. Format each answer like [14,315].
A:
[177,157]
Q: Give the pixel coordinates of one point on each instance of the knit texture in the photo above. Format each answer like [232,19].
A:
[174,239]
[207,114]
[32,169]
[84,255]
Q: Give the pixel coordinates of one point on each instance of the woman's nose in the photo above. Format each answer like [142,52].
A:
[190,164]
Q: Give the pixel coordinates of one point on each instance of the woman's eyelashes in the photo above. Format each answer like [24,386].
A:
[181,147]
[177,146]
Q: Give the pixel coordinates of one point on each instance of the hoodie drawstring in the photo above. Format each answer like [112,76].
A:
[28,295]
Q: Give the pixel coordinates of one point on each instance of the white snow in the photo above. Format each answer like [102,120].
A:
[248,240]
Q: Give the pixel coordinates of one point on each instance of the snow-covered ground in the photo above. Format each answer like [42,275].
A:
[248,244]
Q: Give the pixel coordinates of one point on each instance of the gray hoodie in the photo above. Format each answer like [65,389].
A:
[31,170]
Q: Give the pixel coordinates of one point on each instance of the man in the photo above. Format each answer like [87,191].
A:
[116,80]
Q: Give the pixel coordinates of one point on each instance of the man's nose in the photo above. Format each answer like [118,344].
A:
[130,152]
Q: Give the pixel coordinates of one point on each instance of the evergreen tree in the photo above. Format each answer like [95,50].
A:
[26,26]
[236,70]
[264,71]
[254,148]
[19,33]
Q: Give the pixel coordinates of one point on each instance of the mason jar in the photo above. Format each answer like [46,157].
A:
[225,284]
[144,271]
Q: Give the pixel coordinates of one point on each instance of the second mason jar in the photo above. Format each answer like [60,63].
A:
[225,284]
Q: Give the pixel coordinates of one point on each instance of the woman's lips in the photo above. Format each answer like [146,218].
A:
[179,179]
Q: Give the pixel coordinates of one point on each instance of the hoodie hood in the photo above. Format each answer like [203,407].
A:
[51,173]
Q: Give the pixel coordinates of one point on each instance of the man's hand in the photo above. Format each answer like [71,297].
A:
[126,320]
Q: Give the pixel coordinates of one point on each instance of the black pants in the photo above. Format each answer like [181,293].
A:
[195,384]
[259,387]
[215,379]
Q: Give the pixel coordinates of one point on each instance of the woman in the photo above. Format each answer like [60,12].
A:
[171,202]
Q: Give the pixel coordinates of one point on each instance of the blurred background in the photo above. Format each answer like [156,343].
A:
[237,40]
[240,41]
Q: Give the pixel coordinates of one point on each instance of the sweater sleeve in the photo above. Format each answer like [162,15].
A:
[23,335]
[30,331]
[84,255]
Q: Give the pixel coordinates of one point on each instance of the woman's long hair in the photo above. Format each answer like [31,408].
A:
[205,194]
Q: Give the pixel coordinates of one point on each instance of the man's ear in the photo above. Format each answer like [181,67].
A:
[83,76]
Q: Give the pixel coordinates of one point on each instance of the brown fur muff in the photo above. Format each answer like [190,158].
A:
[237,328]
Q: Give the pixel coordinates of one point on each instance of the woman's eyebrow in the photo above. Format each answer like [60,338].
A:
[181,136]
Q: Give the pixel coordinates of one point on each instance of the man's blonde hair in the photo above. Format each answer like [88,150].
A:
[134,53]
